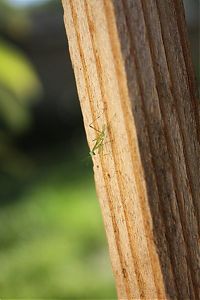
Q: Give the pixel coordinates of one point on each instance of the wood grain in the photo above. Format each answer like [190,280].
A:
[134,74]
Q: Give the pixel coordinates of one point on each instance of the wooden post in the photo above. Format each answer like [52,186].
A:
[134,77]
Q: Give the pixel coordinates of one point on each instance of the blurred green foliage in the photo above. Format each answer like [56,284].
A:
[17,73]
[51,238]
[19,86]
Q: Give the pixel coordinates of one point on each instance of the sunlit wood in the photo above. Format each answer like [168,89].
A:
[134,78]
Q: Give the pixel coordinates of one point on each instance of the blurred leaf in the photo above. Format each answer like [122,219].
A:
[19,87]
[14,115]
[17,73]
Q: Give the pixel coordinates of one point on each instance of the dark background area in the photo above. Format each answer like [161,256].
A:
[52,241]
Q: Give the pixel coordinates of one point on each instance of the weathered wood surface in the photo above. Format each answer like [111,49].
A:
[134,74]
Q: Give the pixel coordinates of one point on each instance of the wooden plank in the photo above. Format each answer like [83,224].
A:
[134,76]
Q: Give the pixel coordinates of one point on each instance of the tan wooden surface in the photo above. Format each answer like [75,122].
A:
[134,75]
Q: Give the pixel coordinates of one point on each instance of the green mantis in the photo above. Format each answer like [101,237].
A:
[98,140]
